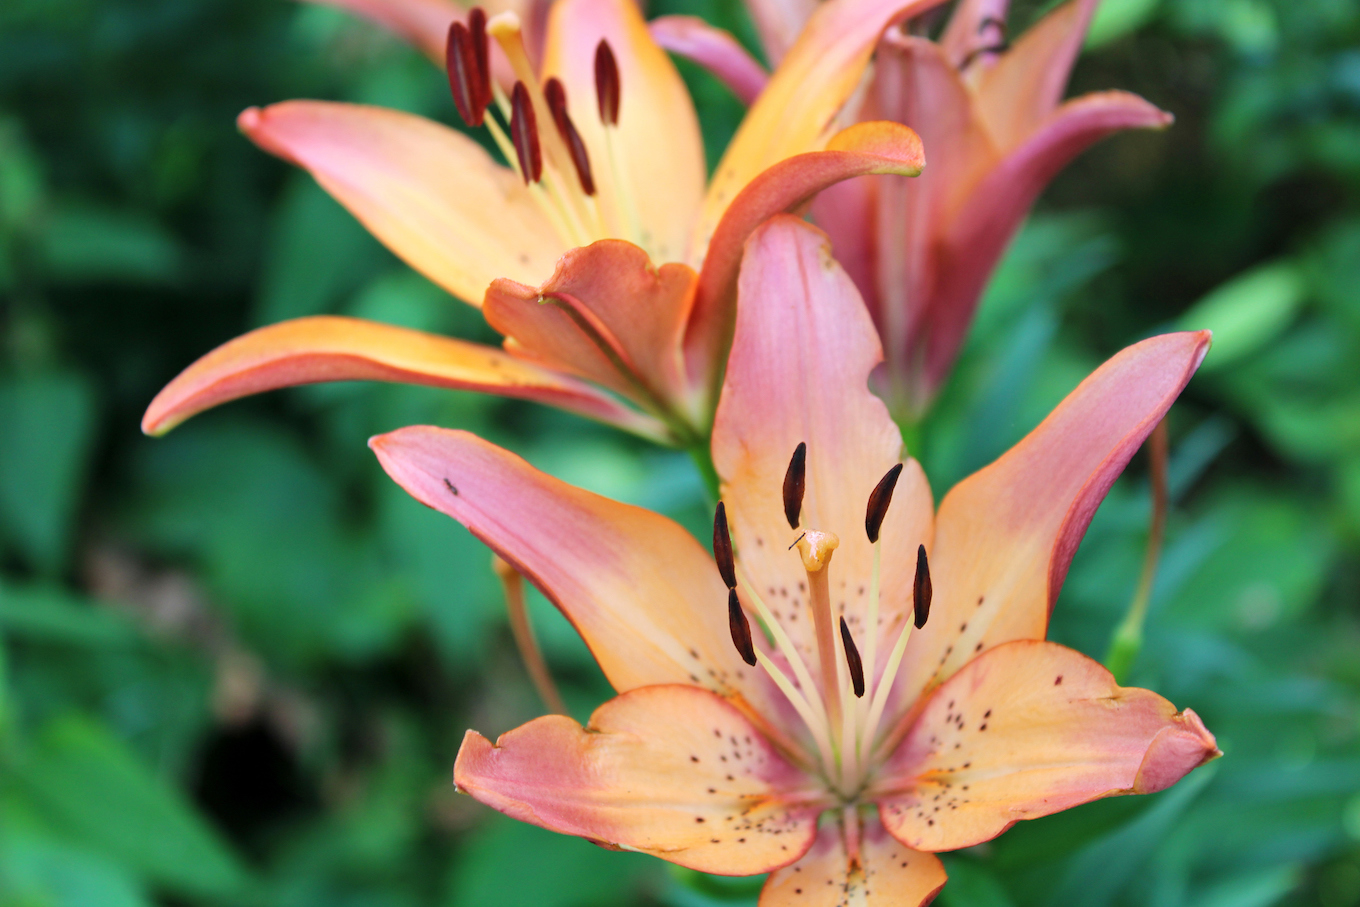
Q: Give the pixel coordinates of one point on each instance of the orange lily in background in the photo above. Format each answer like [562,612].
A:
[897,696]
[998,131]
[604,216]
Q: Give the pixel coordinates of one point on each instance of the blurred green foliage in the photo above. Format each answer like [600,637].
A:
[236,663]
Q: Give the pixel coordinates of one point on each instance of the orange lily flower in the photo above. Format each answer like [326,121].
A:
[897,696]
[998,131]
[604,216]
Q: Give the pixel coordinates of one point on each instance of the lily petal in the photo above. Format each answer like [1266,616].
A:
[715,50]
[968,24]
[1005,535]
[915,84]
[657,139]
[779,22]
[882,873]
[673,771]
[798,372]
[643,594]
[1028,729]
[330,348]
[1021,89]
[981,228]
[862,149]
[423,23]
[793,113]
[423,189]
[609,297]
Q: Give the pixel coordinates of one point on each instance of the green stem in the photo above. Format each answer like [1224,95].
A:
[1128,636]
[700,452]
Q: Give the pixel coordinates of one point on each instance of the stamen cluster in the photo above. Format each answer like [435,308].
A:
[555,163]
[843,723]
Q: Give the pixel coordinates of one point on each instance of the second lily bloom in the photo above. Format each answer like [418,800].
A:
[599,254]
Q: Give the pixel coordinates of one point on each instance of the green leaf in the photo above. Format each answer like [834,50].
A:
[44,451]
[1252,889]
[1096,875]
[43,872]
[319,253]
[48,614]
[83,244]
[510,864]
[972,884]
[1247,312]
[98,791]
[1114,19]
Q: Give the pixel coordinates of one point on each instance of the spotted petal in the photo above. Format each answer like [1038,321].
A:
[1028,729]
[1005,535]
[673,771]
[798,372]
[328,348]
[883,873]
[643,594]
[423,189]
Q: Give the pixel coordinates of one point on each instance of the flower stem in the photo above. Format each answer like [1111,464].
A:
[523,632]
[1128,636]
[703,459]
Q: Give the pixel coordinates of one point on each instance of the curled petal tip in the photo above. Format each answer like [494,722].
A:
[898,145]
[1178,749]
[248,119]
[253,125]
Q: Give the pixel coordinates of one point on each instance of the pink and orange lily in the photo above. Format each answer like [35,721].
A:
[998,131]
[599,254]
[839,762]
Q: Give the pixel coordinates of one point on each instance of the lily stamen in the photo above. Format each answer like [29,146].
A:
[921,593]
[576,147]
[608,99]
[608,90]
[572,206]
[524,134]
[465,76]
[874,514]
[852,660]
[795,484]
[740,628]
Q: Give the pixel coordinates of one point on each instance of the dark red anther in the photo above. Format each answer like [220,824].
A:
[460,59]
[722,547]
[879,499]
[477,29]
[607,88]
[741,629]
[556,95]
[852,660]
[795,483]
[920,588]
[524,134]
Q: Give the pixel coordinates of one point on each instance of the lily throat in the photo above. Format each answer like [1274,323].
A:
[842,708]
